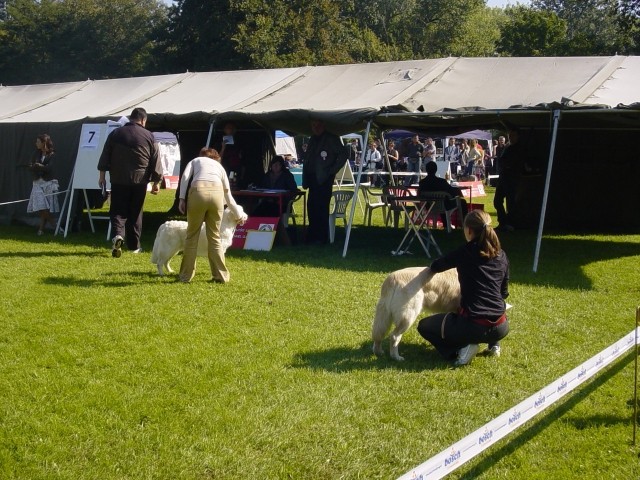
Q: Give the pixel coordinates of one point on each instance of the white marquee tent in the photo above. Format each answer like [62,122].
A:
[546,95]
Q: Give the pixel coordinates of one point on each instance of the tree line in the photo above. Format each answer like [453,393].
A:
[45,41]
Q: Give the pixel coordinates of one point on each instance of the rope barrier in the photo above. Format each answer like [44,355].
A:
[20,201]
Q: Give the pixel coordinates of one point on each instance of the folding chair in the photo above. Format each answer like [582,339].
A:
[340,200]
[389,194]
[439,200]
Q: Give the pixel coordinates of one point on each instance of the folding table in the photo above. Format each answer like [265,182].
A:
[418,225]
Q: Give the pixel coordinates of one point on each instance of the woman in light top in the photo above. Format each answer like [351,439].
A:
[208,193]
[43,198]
[475,156]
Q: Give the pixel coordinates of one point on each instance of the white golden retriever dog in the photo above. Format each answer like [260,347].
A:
[172,235]
[404,295]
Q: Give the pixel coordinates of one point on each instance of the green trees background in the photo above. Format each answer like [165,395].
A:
[44,41]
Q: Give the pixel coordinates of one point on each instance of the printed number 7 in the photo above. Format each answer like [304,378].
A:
[91,135]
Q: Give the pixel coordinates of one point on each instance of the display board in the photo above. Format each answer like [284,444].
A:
[85,172]
[257,242]
[92,138]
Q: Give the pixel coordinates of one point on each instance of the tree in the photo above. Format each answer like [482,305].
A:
[529,32]
[428,28]
[629,22]
[199,36]
[478,34]
[592,25]
[291,33]
[52,41]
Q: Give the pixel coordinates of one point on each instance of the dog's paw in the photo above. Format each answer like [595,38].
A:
[377,350]
[397,357]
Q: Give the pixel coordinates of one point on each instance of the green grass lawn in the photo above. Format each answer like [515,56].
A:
[108,371]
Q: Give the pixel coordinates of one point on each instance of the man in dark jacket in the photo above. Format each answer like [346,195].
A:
[510,168]
[130,155]
[433,183]
[325,157]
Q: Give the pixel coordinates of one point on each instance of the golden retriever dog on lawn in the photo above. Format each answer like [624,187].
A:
[404,295]
[172,235]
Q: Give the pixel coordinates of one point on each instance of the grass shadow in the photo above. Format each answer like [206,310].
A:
[418,358]
[108,280]
[561,262]
[50,254]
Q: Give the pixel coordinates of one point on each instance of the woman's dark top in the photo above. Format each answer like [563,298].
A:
[284,181]
[42,167]
[484,282]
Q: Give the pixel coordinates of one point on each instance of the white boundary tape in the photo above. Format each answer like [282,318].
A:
[464,450]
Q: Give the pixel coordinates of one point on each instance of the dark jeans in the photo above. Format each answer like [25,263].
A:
[413,165]
[126,212]
[449,332]
[318,204]
[505,193]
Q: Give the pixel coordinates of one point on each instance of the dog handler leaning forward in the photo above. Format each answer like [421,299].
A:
[483,272]
[130,155]
[208,194]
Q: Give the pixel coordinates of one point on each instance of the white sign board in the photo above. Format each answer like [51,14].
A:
[444,169]
[92,138]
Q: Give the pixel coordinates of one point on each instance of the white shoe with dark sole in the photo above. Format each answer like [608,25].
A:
[117,242]
[466,354]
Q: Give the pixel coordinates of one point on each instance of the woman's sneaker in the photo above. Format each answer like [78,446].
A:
[491,351]
[466,354]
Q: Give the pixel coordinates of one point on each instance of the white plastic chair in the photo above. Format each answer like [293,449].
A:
[289,211]
[371,202]
[340,200]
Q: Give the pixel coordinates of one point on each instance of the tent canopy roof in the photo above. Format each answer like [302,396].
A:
[467,92]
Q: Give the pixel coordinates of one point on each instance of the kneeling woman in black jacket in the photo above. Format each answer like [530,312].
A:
[483,272]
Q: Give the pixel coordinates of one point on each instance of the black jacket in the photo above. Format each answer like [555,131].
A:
[130,155]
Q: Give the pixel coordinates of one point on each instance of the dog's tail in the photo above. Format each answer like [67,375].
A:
[382,320]
[156,246]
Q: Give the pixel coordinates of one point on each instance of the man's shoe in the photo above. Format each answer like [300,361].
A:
[493,351]
[466,354]
[117,242]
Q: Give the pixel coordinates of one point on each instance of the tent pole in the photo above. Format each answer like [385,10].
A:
[387,163]
[211,123]
[556,120]
[356,189]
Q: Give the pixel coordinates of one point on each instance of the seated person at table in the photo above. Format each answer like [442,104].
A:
[433,183]
[277,178]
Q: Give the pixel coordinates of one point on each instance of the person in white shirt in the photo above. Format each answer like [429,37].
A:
[373,161]
[451,151]
[429,151]
[208,193]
